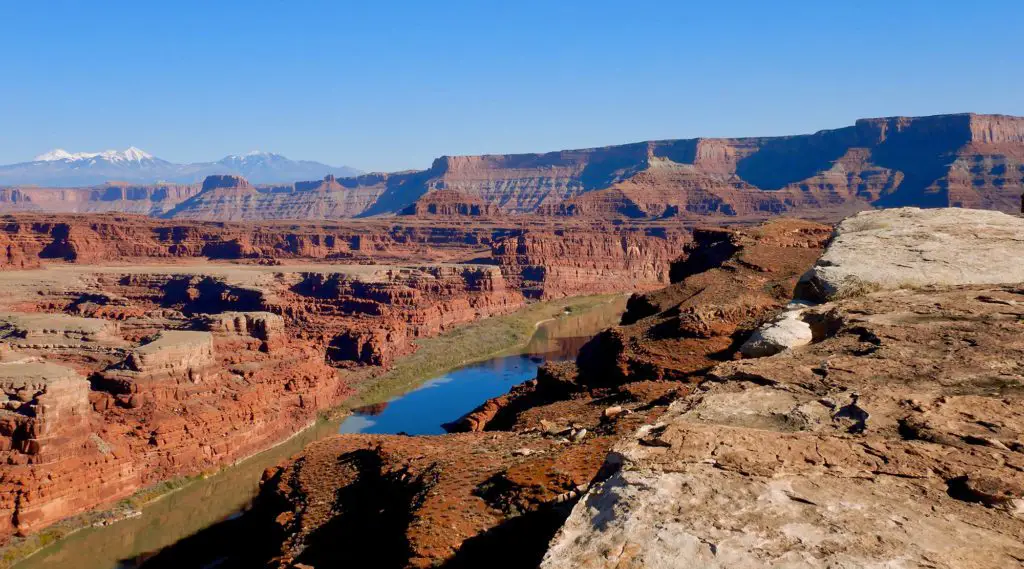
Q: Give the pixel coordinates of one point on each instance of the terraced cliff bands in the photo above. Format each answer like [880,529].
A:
[505,479]
[963,160]
[119,378]
[134,350]
[881,427]
[155,200]
[541,259]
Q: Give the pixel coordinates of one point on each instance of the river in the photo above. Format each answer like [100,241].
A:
[188,527]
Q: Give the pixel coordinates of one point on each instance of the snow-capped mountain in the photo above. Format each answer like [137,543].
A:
[131,155]
[256,166]
[62,168]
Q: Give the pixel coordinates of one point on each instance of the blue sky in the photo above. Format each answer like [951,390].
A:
[390,85]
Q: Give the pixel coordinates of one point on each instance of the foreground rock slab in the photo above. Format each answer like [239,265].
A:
[896,439]
[908,247]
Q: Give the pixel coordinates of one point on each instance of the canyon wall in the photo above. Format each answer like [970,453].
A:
[507,476]
[153,200]
[115,379]
[542,260]
[963,160]
[556,263]
[882,428]
[134,349]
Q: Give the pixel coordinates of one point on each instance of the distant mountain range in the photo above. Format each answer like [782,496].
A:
[957,160]
[59,168]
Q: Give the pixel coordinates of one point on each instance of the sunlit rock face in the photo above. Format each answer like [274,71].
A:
[962,160]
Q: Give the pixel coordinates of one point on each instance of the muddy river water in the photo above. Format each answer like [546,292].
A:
[192,527]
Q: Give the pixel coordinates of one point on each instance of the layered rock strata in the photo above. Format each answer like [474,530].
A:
[55,458]
[505,483]
[957,160]
[193,365]
[97,416]
[155,200]
[553,264]
[892,438]
[540,259]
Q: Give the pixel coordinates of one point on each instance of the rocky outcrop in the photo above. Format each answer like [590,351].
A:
[423,501]
[225,182]
[729,281]
[52,330]
[155,200]
[265,326]
[55,461]
[170,358]
[552,264]
[878,444]
[448,203]
[911,247]
[786,331]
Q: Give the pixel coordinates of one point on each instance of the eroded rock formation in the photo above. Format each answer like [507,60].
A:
[198,344]
[505,483]
[56,460]
[892,435]
[551,264]
[962,160]
[908,247]
[881,441]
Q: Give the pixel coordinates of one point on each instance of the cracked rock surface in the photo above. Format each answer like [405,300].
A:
[895,439]
[908,247]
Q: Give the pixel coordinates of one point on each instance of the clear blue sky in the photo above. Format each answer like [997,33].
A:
[390,85]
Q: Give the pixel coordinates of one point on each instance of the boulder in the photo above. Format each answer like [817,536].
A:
[911,247]
[784,332]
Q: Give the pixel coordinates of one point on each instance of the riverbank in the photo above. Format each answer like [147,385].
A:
[484,339]
[160,515]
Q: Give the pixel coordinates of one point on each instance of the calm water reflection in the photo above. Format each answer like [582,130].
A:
[190,527]
[443,399]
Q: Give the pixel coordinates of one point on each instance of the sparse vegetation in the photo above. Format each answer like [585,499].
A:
[21,547]
[464,345]
[467,344]
[853,287]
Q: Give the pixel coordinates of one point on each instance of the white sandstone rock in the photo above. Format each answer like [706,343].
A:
[911,247]
[785,332]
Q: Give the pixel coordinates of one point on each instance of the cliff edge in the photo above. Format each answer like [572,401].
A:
[893,437]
